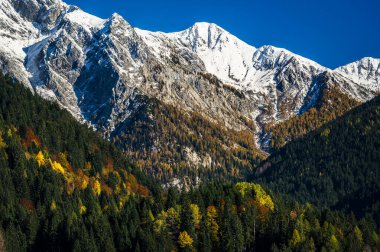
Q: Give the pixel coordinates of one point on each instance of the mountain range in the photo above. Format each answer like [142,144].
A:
[113,76]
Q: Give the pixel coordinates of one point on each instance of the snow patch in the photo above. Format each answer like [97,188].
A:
[84,19]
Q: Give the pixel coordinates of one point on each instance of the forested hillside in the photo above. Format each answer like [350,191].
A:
[167,142]
[62,187]
[331,103]
[337,165]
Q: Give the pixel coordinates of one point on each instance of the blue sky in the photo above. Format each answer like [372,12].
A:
[331,32]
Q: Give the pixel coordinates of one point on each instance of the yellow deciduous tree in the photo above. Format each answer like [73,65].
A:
[296,238]
[159,225]
[57,167]
[82,209]
[40,159]
[262,198]
[96,187]
[84,182]
[212,215]
[358,234]
[196,215]
[173,218]
[185,240]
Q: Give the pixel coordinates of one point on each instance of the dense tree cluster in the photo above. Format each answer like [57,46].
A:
[334,166]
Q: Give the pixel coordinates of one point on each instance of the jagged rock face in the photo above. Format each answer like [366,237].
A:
[95,68]
[272,81]
[44,13]
[15,33]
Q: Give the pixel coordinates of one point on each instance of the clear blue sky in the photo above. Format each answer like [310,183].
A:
[331,32]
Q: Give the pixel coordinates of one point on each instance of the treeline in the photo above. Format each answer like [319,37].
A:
[334,166]
[169,142]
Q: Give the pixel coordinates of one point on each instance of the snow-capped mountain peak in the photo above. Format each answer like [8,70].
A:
[365,71]
[205,35]
[222,53]
[270,57]
[117,19]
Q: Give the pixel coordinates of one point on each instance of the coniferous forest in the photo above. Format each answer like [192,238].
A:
[335,166]
[64,188]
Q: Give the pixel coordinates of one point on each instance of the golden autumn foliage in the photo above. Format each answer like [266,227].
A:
[196,215]
[212,215]
[261,197]
[84,182]
[64,161]
[79,179]
[244,188]
[57,167]
[173,217]
[40,159]
[255,194]
[185,240]
[170,219]
[296,238]
[96,187]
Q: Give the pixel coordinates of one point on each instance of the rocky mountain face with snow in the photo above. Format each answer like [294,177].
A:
[99,70]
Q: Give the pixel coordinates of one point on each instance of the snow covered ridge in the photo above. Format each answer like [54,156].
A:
[246,67]
[365,71]
[95,68]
